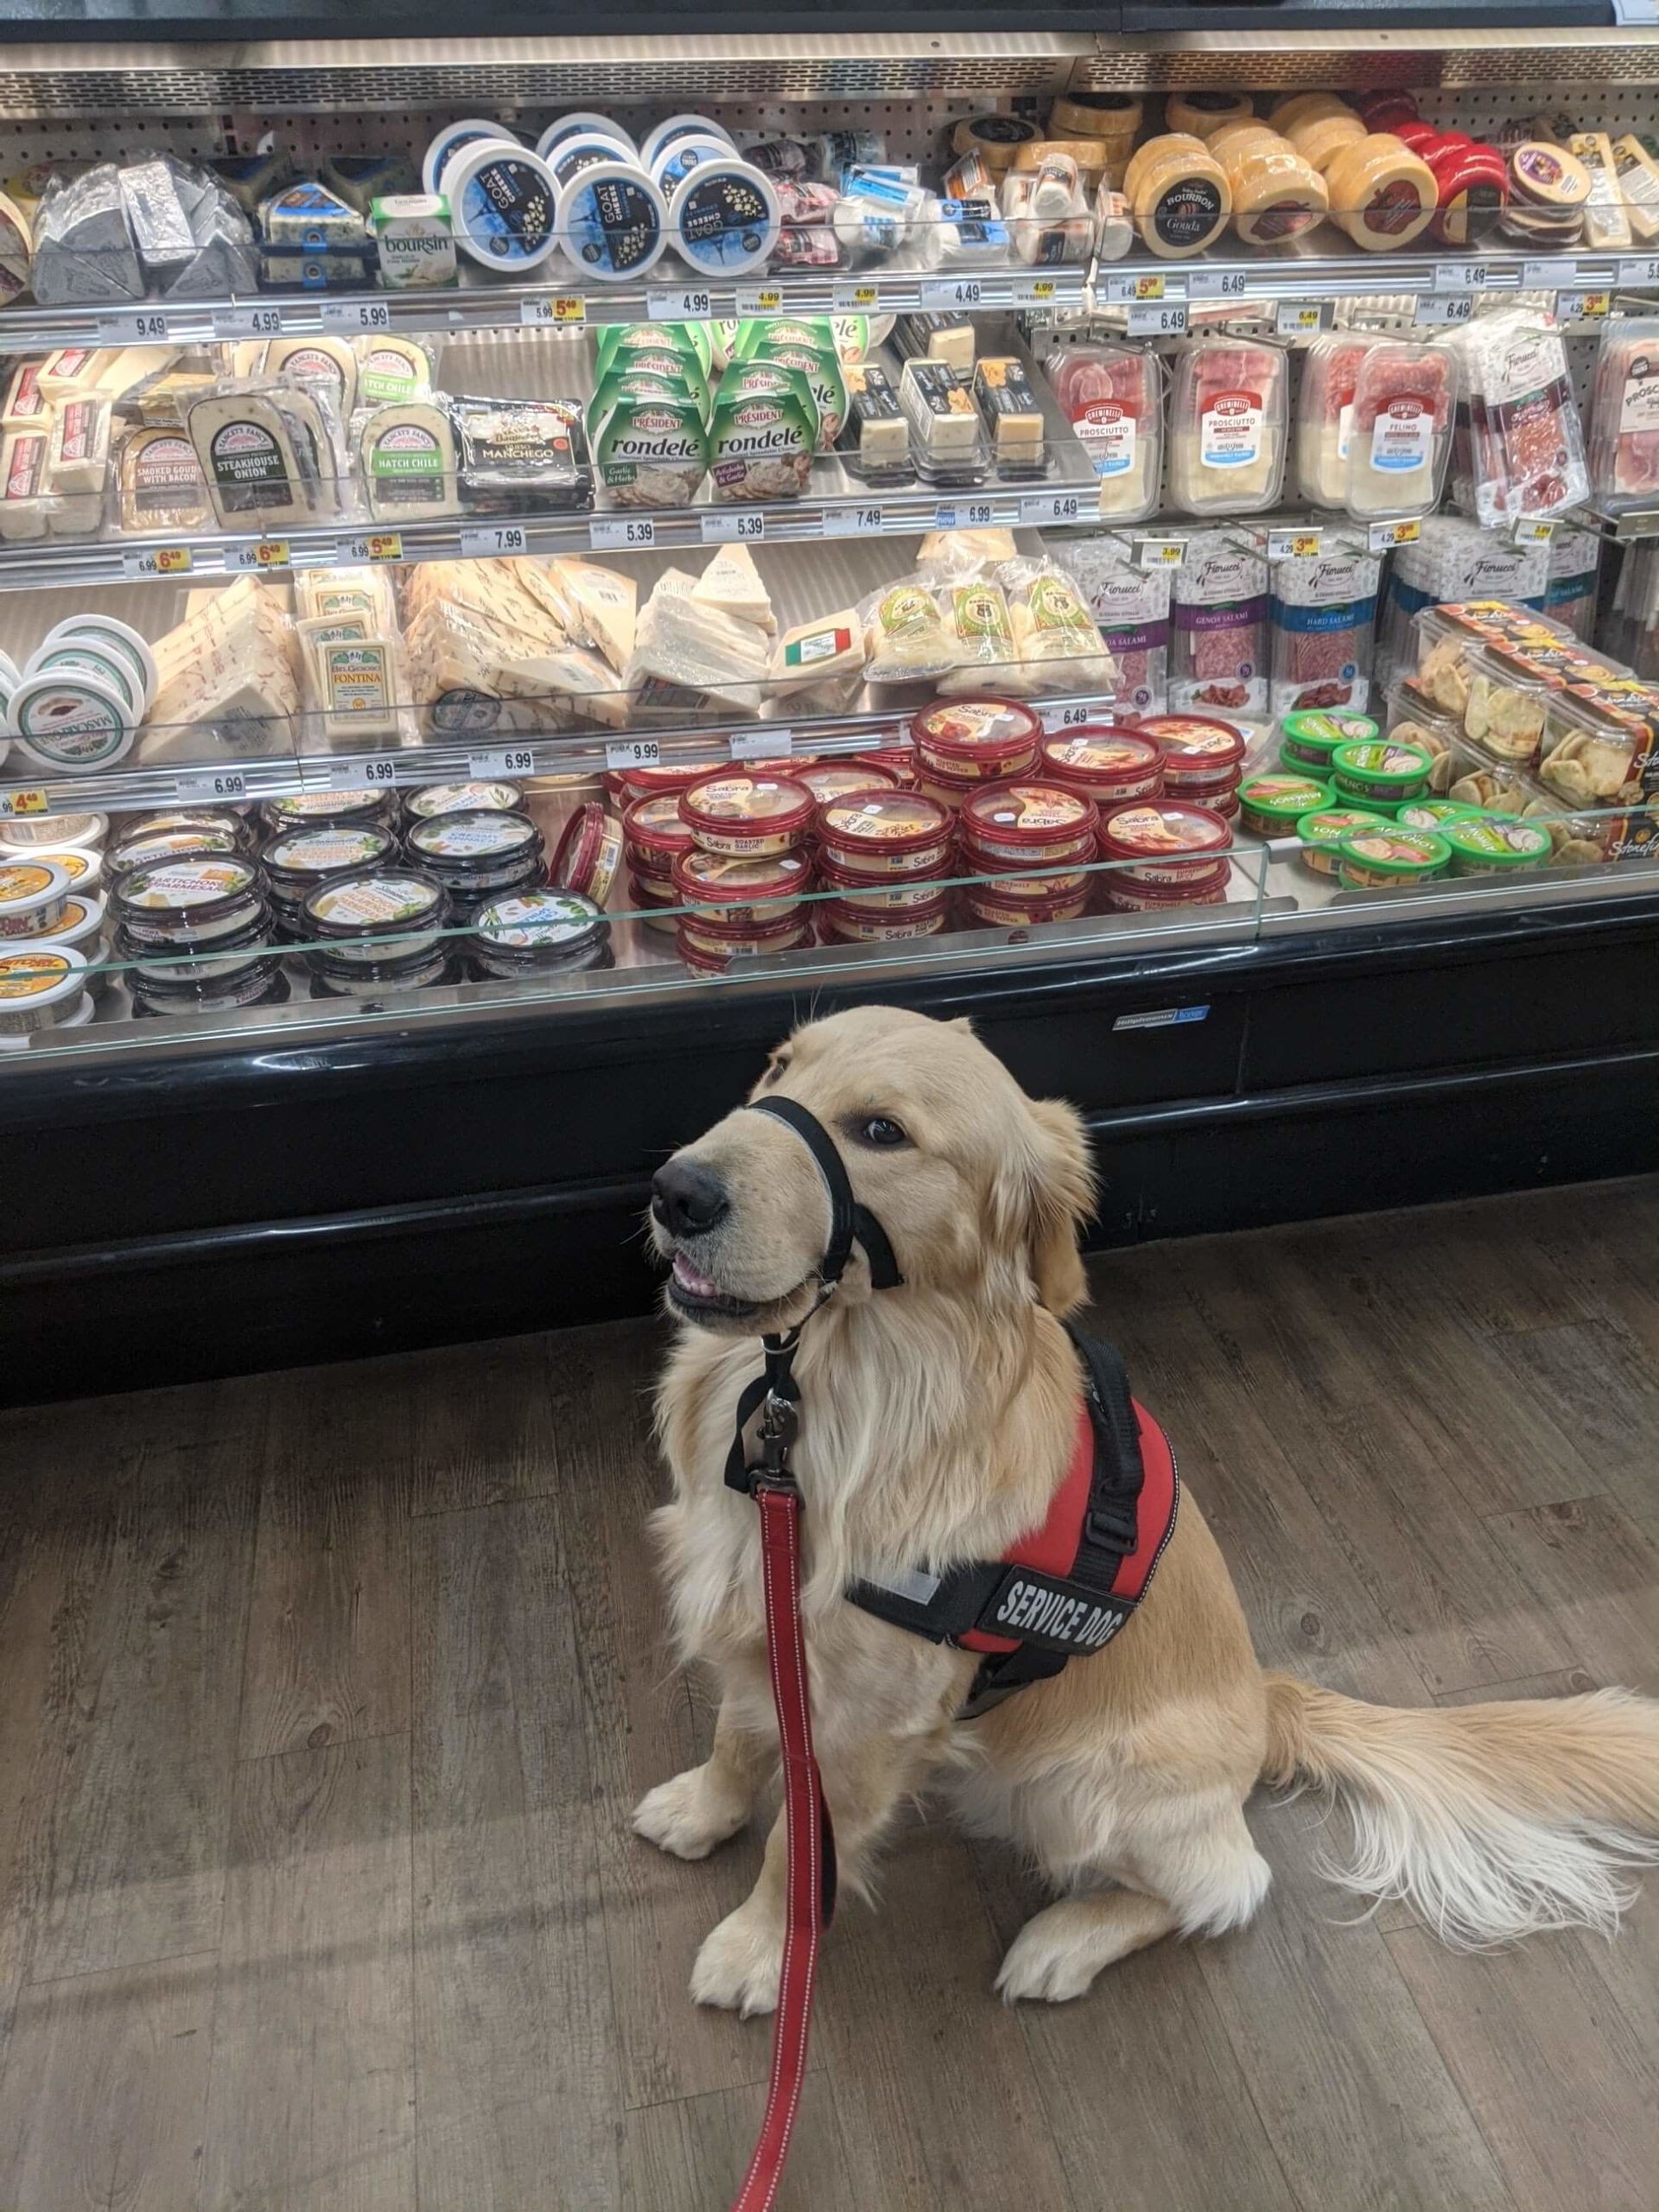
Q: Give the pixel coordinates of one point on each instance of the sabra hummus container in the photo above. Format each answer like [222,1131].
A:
[1203,758]
[544,932]
[709,947]
[1386,858]
[1492,845]
[1112,766]
[588,853]
[756,893]
[648,897]
[478,855]
[654,837]
[72,722]
[853,921]
[26,836]
[463,798]
[198,899]
[1272,805]
[976,740]
[877,831]
[992,903]
[1323,831]
[747,814]
[32,896]
[653,783]
[899,764]
[1166,840]
[1308,738]
[1026,826]
[1210,889]
[827,780]
[296,862]
[908,894]
[1381,769]
[40,987]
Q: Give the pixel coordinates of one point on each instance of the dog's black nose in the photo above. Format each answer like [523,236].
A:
[686,1199]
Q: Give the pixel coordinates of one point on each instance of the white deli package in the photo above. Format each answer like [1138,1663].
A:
[1400,439]
[1325,414]
[1228,421]
[1113,398]
[1219,636]
[1131,607]
[1519,445]
[1324,615]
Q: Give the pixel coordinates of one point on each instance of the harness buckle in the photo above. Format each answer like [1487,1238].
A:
[1114,1527]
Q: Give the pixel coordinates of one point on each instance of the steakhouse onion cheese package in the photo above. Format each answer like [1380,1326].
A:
[1228,422]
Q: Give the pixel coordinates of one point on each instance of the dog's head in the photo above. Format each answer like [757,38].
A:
[979,1189]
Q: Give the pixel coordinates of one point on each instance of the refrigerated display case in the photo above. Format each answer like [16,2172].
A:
[471,683]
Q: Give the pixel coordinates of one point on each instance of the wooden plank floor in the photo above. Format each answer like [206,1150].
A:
[324,1698]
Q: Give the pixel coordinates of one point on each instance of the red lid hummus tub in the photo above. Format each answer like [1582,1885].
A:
[827,780]
[196,899]
[1323,831]
[298,861]
[41,986]
[851,921]
[654,836]
[898,763]
[877,831]
[1390,857]
[1203,758]
[976,740]
[1381,771]
[588,853]
[1112,766]
[998,905]
[747,814]
[669,776]
[868,896]
[1020,825]
[478,855]
[464,799]
[743,894]
[32,896]
[1166,840]
[544,932]
[654,901]
[1210,889]
[710,948]
[1272,805]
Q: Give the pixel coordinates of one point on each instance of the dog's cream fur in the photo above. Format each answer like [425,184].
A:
[938,1420]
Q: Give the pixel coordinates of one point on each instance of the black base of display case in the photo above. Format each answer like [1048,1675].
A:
[238,1208]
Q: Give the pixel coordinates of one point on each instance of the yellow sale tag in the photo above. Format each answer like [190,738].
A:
[1148,288]
[865,295]
[172,560]
[27,802]
[270,553]
[1596,304]
[389,546]
[569,306]
[768,301]
[1041,289]
[1304,546]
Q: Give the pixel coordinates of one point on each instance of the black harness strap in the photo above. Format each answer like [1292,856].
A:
[851,1224]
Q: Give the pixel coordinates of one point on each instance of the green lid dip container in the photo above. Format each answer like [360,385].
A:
[1272,805]
[1378,768]
[1385,858]
[1496,845]
[1435,813]
[1323,831]
[1308,738]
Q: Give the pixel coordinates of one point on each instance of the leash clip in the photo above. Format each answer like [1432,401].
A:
[781,1424]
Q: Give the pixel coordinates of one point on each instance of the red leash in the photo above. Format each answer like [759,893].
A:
[812,1847]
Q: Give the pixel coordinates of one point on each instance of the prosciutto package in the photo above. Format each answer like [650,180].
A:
[1625,414]
[1227,428]
[1399,432]
[1218,642]
[1113,398]
[1325,414]
[1518,448]
[1323,613]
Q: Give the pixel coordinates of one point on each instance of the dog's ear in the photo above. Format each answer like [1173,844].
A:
[1044,1193]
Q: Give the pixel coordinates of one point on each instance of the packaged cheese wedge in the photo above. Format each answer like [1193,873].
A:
[600,605]
[817,666]
[731,583]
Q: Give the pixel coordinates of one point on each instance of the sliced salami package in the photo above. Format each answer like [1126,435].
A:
[1518,448]
[1324,615]
[1219,637]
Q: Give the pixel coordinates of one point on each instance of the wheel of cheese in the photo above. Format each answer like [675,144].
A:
[996,138]
[1181,203]
[1381,193]
[1233,140]
[1275,197]
[1203,112]
[1319,141]
[1153,150]
[1096,115]
[1302,107]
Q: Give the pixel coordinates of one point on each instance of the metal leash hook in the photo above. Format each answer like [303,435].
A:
[781,1424]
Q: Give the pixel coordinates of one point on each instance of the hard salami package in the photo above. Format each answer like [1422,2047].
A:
[1323,613]
[1519,446]
[1219,638]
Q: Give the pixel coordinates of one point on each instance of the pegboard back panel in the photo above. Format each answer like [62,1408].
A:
[25,141]
[1363,60]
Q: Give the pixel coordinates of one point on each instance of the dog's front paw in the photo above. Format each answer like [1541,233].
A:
[688,1817]
[1044,1966]
[739,1963]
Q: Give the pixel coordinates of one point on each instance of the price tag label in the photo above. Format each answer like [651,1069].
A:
[1074,713]
[1640,270]
[1297,318]
[214,783]
[157,560]
[1032,291]
[507,760]
[248,323]
[1054,507]
[940,295]
[1547,276]
[378,773]
[268,553]
[762,744]
[854,299]
[694,304]
[133,325]
[633,752]
[607,533]
[1583,307]
[1460,276]
[1444,307]
[1216,284]
[1160,552]
[378,545]
[853,522]
[1294,545]
[350,315]
[493,540]
[729,529]
[1150,319]
[564,308]
[1532,530]
[29,801]
[1382,535]
[966,514]
[764,299]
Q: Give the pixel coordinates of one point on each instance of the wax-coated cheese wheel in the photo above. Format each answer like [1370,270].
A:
[1154,149]
[1301,107]
[1203,112]
[1233,138]
[1321,140]
[1181,203]
[1096,115]
[1275,196]
[1381,193]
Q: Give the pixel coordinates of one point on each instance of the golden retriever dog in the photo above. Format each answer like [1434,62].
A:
[938,1420]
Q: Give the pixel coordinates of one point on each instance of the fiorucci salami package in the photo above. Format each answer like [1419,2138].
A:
[1131,605]
[1218,647]
[1519,445]
[1323,613]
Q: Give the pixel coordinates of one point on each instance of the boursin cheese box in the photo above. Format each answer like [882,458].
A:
[415,240]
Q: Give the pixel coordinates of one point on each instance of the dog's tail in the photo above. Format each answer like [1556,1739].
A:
[1494,1820]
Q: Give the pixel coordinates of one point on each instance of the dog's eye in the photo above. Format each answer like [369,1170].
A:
[877,1129]
[779,1064]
